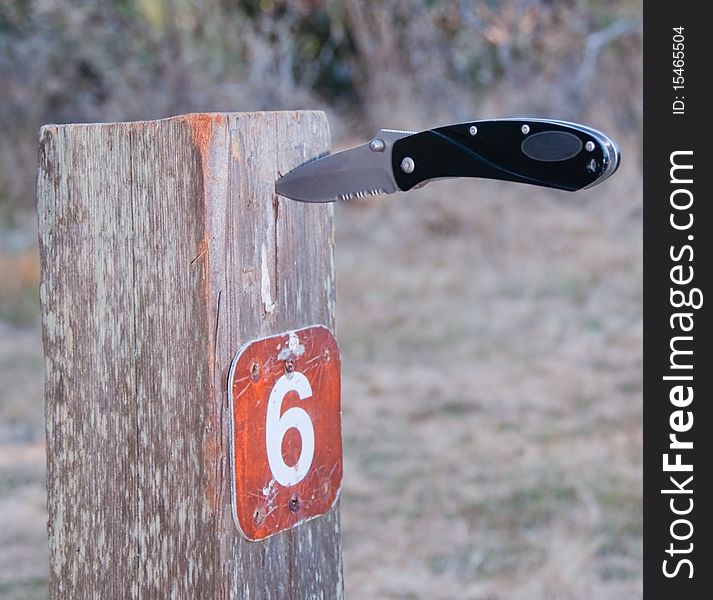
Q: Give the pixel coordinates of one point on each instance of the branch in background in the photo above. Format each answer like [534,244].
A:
[313,71]
[597,41]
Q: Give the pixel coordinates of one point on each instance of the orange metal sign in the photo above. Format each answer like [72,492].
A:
[286,430]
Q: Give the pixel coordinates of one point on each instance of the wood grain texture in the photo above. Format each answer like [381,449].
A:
[164,247]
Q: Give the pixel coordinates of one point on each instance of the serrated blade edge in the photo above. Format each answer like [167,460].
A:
[353,173]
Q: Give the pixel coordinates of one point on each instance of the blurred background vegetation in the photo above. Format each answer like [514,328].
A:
[403,63]
[556,520]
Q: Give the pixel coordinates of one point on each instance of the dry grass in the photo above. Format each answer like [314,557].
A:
[491,334]
[492,403]
[19,274]
[492,396]
[23,534]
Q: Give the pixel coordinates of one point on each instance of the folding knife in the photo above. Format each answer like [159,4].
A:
[555,154]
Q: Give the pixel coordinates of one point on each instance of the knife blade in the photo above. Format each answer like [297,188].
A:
[548,153]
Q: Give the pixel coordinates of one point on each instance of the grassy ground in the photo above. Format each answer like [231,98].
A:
[492,402]
[491,340]
[23,537]
[491,334]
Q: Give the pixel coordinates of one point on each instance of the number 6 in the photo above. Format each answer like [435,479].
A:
[276,426]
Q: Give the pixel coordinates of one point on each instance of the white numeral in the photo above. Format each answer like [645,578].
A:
[276,426]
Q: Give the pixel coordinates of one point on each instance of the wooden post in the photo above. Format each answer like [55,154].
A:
[164,247]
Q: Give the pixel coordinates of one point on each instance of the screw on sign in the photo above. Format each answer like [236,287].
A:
[286,430]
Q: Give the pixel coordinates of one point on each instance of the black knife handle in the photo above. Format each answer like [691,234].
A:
[554,154]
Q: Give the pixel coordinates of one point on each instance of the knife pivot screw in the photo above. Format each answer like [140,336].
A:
[473,130]
[589,146]
[377,145]
[407,165]
[525,129]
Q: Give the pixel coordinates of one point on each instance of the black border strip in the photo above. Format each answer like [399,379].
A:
[677,133]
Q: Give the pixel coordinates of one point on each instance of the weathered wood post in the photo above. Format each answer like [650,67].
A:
[164,247]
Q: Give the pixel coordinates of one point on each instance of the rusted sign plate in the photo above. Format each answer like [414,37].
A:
[286,430]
